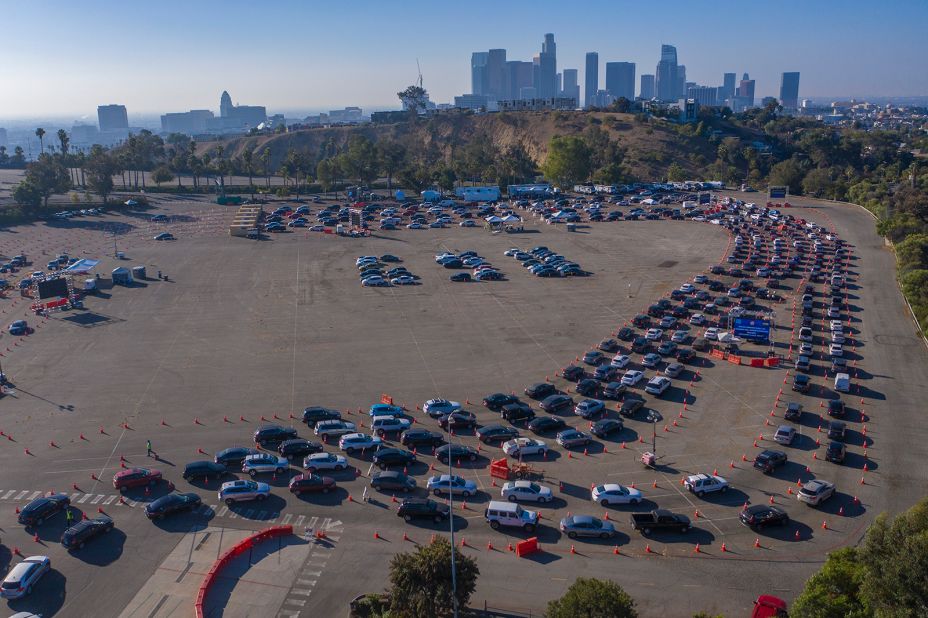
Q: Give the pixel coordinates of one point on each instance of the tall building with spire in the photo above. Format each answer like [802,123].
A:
[665,77]
[546,82]
[225,105]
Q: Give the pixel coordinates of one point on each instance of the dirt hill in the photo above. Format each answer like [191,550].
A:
[650,146]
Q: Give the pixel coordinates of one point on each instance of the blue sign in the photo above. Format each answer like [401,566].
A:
[749,328]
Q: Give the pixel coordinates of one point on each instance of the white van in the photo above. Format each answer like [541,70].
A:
[843,383]
[509,514]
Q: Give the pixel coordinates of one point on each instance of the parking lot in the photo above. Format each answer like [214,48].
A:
[246,333]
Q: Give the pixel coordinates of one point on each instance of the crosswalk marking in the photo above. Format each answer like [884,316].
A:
[109,500]
[34,495]
[84,498]
[97,498]
[8,494]
[286,519]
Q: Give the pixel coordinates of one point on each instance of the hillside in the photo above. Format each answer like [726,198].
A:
[648,147]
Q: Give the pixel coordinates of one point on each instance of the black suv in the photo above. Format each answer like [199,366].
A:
[423,508]
[793,411]
[540,390]
[760,515]
[631,405]
[40,509]
[518,411]
[626,334]
[314,414]
[588,387]
[389,456]
[203,469]
[272,435]
[556,402]
[298,447]
[81,532]
[415,437]
[768,460]
[573,373]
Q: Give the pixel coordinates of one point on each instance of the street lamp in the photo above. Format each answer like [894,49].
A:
[454,575]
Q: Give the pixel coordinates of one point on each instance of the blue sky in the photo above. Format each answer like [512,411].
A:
[66,57]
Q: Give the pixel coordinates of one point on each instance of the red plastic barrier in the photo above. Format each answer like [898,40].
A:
[773,362]
[237,549]
[718,354]
[757,362]
[526,547]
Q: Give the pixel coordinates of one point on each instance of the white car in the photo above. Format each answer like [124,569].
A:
[525,490]
[374,282]
[835,349]
[357,442]
[657,385]
[836,325]
[467,223]
[22,577]
[403,280]
[522,447]
[613,493]
[324,461]
[438,407]
[712,334]
[620,361]
[654,334]
[702,484]
[451,484]
[697,319]
[815,492]
[333,427]
[837,338]
[440,256]
[243,491]
[632,377]
[687,288]
[365,259]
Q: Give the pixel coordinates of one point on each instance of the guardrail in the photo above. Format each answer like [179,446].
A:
[230,554]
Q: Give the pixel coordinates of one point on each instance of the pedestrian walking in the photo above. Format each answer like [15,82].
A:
[159,275]
[148,446]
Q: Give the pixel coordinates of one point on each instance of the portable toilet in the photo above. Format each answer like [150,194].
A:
[138,272]
[122,276]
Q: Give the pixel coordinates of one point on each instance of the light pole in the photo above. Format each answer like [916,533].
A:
[454,575]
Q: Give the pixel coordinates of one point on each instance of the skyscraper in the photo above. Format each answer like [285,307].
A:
[704,95]
[789,90]
[496,74]
[590,78]
[225,105]
[666,82]
[744,97]
[728,87]
[478,73]
[518,76]
[620,79]
[547,69]
[112,117]
[647,87]
[571,88]
[681,81]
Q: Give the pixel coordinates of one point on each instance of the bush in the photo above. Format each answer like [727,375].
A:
[593,598]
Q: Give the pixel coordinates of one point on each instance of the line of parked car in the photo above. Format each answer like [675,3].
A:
[543,262]
[375,272]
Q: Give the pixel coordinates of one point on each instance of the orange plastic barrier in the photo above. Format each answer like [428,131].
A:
[237,549]
[718,354]
[387,399]
[734,360]
[757,362]
[526,547]
[499,468]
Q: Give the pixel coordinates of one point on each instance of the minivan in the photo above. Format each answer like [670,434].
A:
[843,383]
[510,514]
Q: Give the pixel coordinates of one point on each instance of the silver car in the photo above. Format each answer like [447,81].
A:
[22,577]
[324,461]
[451,484]
[243,491]
[785,434]
[334,428]
[265,463]
[585,525]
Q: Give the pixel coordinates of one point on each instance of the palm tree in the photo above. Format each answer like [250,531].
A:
[266,166]
[40,133]
[248,157]
[220,167]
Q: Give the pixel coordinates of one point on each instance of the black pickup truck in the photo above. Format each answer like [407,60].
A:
[659,520]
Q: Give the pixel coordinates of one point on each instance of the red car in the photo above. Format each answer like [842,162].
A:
[767,606]
[135,477]
[305,483]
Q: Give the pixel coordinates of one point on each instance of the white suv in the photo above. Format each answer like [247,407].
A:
[701,484]
[382,425]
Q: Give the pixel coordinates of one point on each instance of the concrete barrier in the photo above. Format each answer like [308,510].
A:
[234,551]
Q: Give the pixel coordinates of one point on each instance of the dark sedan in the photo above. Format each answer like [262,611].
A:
[423,508]
[311,483]
[203,469]
[385,457]
[458,452]
[573,373]
[314,414]
[272,435]
[496,401]
[540,390]
[768,460]
[391,480]
[77,535]
[459,419]
[235,456]
[556,403]
[606,426]
[545,424]
[40,509]
[496,433]
[172,503]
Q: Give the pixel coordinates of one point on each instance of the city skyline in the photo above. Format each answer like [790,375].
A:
[286,67]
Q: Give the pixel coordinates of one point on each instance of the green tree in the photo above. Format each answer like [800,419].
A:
[787,173]
[675,173]
[569,161]
[420,582]
[895,554]
[414,98]
[27,196]
[391,156]
[818,182]
[48,176]
[248,159]
[266,165]
[325,174]
[162,174]
[834,592]
[100,167]
[361,159]
[593,598]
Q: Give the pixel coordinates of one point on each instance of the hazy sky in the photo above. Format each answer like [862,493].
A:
[64,57]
